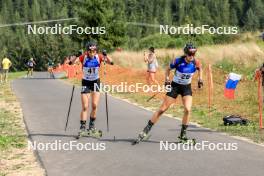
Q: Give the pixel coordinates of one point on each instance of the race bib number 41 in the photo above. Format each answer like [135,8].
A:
[91,73]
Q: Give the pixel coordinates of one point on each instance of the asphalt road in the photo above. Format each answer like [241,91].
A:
[45,104]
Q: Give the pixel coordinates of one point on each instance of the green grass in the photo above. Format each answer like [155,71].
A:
[200,116]
[215,121]
[15,75]
[11,133]
[260,43]
[228,65]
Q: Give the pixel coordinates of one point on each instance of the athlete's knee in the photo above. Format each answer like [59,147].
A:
[94,106]
[85,107]
[187,111]
[161,111]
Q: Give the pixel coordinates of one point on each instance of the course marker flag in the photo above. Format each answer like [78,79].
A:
[231,84]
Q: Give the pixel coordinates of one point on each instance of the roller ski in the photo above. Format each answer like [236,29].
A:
[91,132]
[94,133]
[141,137]
[185,140]
[144,135]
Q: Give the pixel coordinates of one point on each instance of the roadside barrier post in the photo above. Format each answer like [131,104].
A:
[260,99]
[210,88]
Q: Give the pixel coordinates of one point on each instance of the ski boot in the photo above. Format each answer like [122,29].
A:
[185,140]
[81,132]
[143,136]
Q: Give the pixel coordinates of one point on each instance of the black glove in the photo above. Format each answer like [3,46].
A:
[104,52]
[112,63]
[200,83]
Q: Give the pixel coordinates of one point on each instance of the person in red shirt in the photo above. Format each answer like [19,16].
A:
[91,62]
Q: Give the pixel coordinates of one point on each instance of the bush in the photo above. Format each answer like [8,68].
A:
[156,40]
[178,41]
[220,39]
[228,65]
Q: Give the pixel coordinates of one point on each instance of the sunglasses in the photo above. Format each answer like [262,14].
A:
[191,52]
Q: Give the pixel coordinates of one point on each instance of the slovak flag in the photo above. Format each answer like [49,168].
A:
[231,85]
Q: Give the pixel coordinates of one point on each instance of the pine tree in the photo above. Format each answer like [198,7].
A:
[251,21]
[99,13]
[233,17]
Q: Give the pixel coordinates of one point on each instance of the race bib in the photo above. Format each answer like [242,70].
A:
[91,73]
[182,78]
[30,64]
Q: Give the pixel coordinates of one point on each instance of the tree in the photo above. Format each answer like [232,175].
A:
[233,17]
[99,13]
[251,21]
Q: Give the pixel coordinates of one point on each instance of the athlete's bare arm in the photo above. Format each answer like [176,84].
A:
[145,57]
[167,74]
[108,59]
[200,73]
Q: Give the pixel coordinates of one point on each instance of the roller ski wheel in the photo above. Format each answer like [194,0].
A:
[186,140]
[90,133]
[141,137]
[81,132]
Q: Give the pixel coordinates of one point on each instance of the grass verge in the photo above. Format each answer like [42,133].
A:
[15,158]
[12,134]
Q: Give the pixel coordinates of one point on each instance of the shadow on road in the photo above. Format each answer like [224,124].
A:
[36,78]
[54,135]
[112,140]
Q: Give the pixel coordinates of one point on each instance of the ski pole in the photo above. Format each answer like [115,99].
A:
[106,100]
[153,96]
[69,110]
[106,106]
